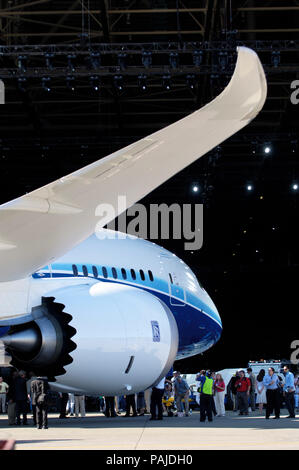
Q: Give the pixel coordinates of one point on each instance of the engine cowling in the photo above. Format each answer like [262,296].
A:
[117,339]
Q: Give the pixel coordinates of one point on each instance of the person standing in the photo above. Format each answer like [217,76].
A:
[182,393]
[289,391]
[252,379]
[64,397]
[219,387]
[206,395]
[261,399]
[296,383]
[11,407]
[3,394]
[79,405]
[70,404]
[20,395]
[156,400]
[130,403]
[32,377]
[109,407]
[272,393]
[233,391]
[176,374]
[39,392]
[140,403]
[243,386]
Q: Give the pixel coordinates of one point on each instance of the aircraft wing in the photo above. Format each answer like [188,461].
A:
[42,225]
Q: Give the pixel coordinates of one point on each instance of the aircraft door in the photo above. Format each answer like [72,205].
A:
[176,289]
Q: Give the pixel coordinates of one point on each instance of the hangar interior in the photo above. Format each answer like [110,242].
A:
[84,78]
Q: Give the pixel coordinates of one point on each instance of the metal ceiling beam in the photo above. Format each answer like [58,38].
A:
[269,30]
[157,10]
[26,4]
[109,12]
[267,9]
[5,13]
[161,47]
[60,21]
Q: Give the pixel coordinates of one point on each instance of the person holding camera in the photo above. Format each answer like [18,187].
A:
[243,386]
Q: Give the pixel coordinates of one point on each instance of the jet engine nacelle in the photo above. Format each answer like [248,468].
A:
[123,339]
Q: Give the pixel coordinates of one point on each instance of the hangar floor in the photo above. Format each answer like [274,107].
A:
[96,432]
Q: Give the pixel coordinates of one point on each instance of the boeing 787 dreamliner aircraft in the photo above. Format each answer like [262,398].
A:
[101,315]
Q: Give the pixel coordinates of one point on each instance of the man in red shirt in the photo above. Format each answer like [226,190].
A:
[243,386]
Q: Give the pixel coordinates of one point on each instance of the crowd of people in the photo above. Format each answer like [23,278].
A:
[24,394]
[168,398]
[267,389]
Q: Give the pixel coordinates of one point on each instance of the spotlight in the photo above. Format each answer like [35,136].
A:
[45,83]
[118,82]
[146,59]
[197,58]
[254,147]
[142,82]
[275,58]
[295,187]
[267,149]
[70,83]
[191,81]
[95,82]
[166,82]
[95,60]
[22,62]
[49,58]
[223,60]
[70,64]
[294,146]
[195,188]
[249,187]
[173,60]
[22,81]
[121,59]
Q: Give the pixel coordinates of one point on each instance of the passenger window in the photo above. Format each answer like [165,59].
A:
[170,277]
[150,274]
[75,270]
[114,273]
[95,271]
[133,274]
[105,273]
[142,275]
[85,271]
[124,273]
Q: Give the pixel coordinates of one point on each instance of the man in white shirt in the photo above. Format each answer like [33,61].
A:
[3,392]
[156,400]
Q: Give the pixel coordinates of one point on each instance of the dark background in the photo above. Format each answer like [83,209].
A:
[249,260]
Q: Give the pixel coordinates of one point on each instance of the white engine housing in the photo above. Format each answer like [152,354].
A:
[126,339]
